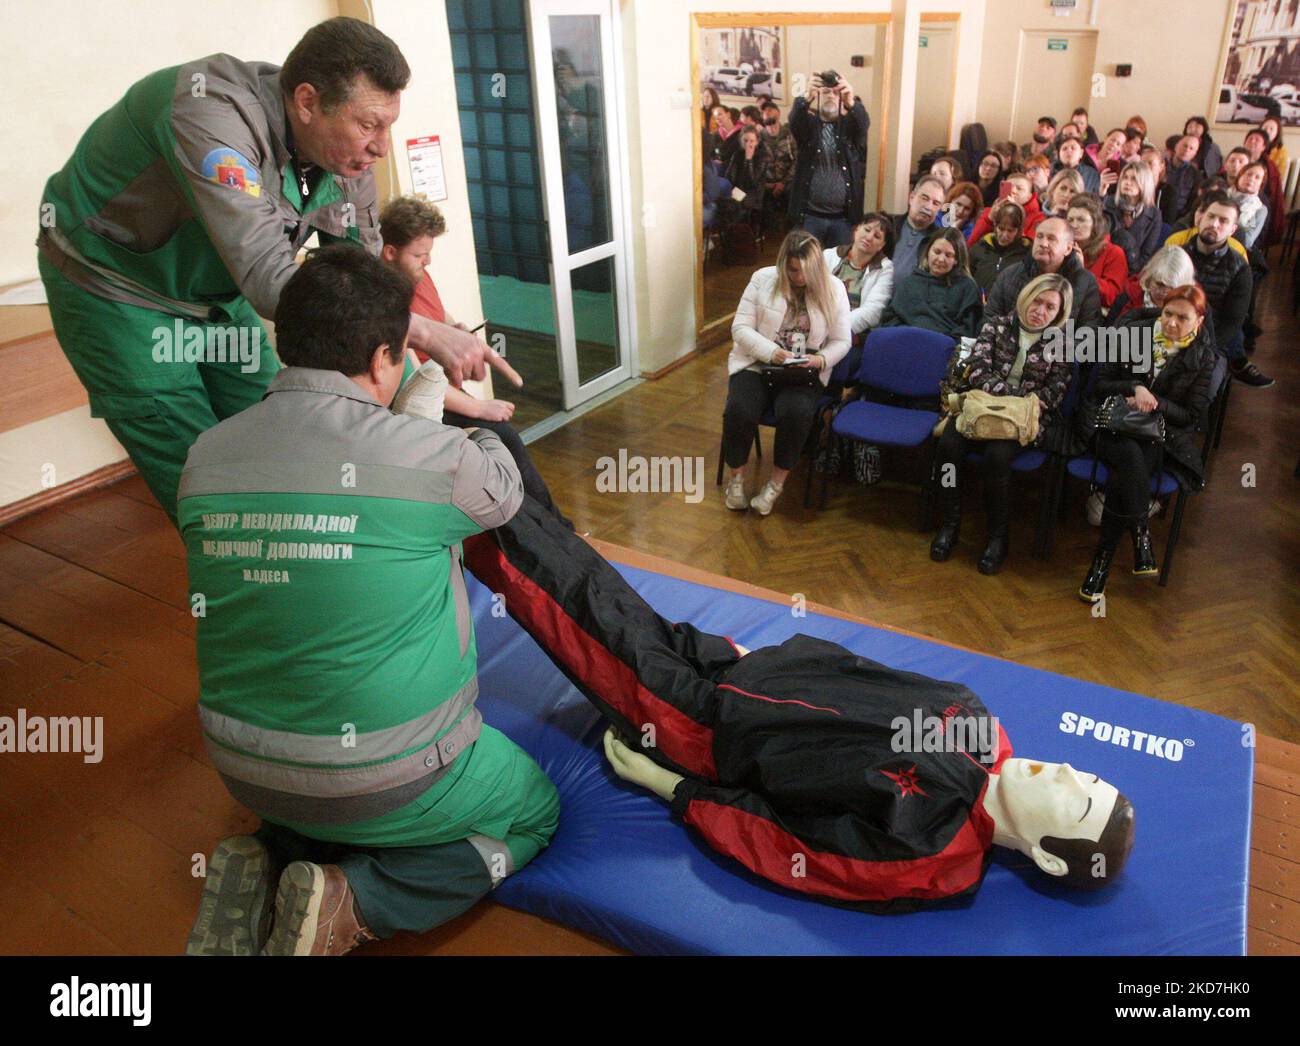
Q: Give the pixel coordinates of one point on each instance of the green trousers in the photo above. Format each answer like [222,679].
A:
[159,381]
[430,860]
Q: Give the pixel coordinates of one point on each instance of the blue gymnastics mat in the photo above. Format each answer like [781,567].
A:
[622,868]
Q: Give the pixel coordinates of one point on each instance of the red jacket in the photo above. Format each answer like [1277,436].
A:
[984,224]
[1111,270]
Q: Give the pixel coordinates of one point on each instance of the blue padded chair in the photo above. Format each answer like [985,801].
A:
[840,374]
[1161,486]
[908,362]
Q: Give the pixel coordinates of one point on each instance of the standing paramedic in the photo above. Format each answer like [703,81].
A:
[337,661]
[175,225]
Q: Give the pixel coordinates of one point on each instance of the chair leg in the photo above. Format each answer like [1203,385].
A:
[826,476]
[928,491]
[1172,540]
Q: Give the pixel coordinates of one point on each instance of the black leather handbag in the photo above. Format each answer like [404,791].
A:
[1115,415]
[781,376]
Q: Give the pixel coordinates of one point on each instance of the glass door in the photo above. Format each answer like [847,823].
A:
[575,62]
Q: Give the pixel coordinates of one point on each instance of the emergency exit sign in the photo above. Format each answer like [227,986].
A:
[925,41]
[1056,43]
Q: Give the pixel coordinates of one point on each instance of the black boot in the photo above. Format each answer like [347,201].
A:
[949,524]
[1144,556]
[1093,585]
[997,499]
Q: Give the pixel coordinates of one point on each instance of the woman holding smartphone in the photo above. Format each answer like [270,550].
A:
[792,314]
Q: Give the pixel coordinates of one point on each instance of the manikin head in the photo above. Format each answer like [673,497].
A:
[1074,826]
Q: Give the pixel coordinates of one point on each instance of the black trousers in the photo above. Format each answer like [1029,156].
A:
[998,455]
[747,398]
[1128,487]
[534,486]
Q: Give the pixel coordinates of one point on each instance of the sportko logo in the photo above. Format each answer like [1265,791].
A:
[1139,741]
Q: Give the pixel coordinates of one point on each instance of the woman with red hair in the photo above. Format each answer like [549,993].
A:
[1167,366]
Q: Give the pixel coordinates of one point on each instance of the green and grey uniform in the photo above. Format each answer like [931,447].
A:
[166,236]
[337,662]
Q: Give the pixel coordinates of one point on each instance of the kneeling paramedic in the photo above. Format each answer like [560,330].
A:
[336,650]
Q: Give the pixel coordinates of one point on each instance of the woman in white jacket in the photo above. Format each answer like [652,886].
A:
[789,309]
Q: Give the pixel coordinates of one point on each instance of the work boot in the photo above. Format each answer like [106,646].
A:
[1144,556]
[423,394]
[315,913]
[1093,585]
[945,540]
[997,494]
[238,900]
[766,498]
[736,492]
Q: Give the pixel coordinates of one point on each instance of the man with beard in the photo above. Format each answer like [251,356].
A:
[782,154]
[829,125]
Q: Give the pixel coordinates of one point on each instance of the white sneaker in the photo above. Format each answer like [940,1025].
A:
[736,493]
[766,498]
[423,393]
[1096,503]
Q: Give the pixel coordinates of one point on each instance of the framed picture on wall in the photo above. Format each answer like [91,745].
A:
[1261,65]
[743,63]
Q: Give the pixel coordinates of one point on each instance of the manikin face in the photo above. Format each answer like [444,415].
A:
[1178,319]
[1232,165]
[1251,181]
[1185,150]
[923,204]
[869,238]
[1080,224]
[1019,189]
[1071,152]
[1007,234]
[942,258]
[989,168]
[794,269]
[1128,184]
[1052,242]
[351,139]
[411,260]
[1052,799]
[1043,309]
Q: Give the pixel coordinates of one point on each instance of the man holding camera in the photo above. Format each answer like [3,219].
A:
[829,125]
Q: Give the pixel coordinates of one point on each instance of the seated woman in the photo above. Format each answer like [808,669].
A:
[1001,248]
[1010,358]
[1108,157]
[1064,187]
[1209,157]
[1039,169]
[940,296]
[1278,160]
[789,309]
[963,206]
[988,176]
[1100,257]
[1009,152]
[1177,384]
[1168,268]
[789,759]
[746,170]
[1132,209]
[1253,220]
[1071,157]
[1017,187]
[1257,143]
[864,268]
[947,170]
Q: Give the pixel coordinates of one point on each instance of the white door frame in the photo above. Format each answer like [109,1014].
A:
[562,262]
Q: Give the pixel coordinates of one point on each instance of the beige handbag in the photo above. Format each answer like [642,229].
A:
[984,416]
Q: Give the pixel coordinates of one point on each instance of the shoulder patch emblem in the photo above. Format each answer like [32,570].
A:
[232,169]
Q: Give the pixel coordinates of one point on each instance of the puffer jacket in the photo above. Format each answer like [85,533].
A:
[992,358]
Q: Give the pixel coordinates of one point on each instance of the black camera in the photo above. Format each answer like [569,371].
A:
[830,78]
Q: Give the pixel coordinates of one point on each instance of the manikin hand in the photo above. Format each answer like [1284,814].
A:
[639,769]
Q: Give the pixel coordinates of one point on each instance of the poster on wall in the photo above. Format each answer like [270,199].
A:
[427,178]
[743,62]
[1261,73]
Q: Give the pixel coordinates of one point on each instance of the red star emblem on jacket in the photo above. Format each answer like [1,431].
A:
[906,781]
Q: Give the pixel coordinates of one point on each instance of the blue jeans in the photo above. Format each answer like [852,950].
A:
[833,232]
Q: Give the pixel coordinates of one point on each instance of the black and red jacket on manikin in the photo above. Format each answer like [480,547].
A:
[788,752]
